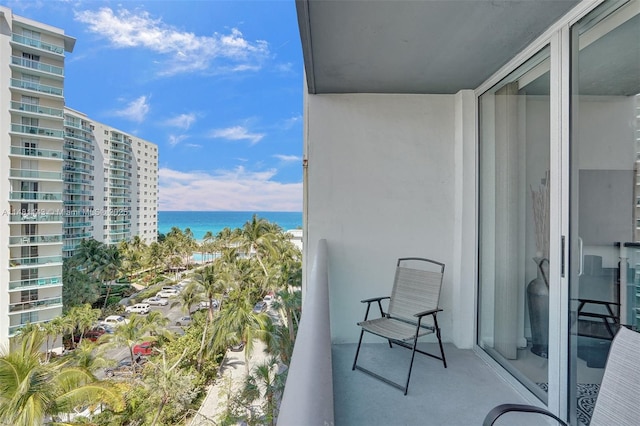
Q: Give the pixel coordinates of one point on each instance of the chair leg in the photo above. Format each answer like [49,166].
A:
[413,354]
[444,361]
[355,360]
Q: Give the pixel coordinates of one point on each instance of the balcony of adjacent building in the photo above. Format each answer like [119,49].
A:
[22,262]
[118,165]
[76,170]
[35,305]
[71,224]
[38,153]
[78,147]
[41,216]
[35,196]
[117,149]
[121,139]
[35,283]
[77,136]
[31,45]
[322,388]
[76,191]
[31,88]
[72,178]
[72,159]
[36,111]
[35,240]
[75,235]
[35,175]
[37,68]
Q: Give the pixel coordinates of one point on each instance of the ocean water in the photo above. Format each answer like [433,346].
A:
[201,222]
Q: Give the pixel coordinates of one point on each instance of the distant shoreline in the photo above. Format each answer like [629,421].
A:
[201,222]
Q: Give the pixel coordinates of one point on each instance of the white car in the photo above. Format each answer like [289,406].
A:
[155,300]
[115,320]
[138,308]
[167,293]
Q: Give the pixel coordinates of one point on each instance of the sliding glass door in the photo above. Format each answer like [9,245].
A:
[604,197]
[514,222]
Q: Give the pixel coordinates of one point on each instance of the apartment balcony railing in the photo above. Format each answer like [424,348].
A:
[37,65]
[36,152]
[118,158]
[77,203]
[117,204]
[35,195]
[78,137]
[116,185]
[115,148]
[35,304]
[35,239]
[27,41]
[39,131]
[34,261]
[303,403]
[34,217]
[77,192]
[32,320]
[37,109]
[76,224]
[123,140]
[74,147]
[120,222]
[78,159]
[114,166]
[35,283]
[76,236]
[68,168]
[71,179]
[34,174]
[36,87]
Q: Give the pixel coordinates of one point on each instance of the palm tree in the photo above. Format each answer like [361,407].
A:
[108,269]
[188,297]
[167,383]
[130,334]
[31,391]
[81,318]
[255,238]
[266,384]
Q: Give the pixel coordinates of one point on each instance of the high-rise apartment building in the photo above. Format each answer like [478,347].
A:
[31,161]
[126,185]
[63,176]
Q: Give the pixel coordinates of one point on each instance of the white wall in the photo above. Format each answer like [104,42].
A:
[380,185]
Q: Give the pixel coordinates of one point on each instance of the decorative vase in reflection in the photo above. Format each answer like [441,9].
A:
[538,302]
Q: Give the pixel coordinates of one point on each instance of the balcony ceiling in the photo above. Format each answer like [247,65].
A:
[416,46]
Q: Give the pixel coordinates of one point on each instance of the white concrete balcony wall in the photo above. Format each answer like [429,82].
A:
[381,180]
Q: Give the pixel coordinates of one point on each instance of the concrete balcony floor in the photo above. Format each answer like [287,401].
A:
[462,394]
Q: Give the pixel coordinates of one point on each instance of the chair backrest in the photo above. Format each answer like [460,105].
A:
[618,400]
[416,288]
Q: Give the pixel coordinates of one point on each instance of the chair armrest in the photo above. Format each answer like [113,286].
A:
[598,302]
[375,299]
[429,312]
[498,411]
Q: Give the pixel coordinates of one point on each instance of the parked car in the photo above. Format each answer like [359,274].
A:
[270,297]
[115,320]
[138,308]
[157,301]
[144,348]
[93,334]
[183,321]
[205,304]
[260,307]
[124,367]
[167,293]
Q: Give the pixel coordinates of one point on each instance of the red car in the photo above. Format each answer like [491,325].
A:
[144,348]
[92,335]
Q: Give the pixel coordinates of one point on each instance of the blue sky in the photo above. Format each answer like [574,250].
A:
[217,85]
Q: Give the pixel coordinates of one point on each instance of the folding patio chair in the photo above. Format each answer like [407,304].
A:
[412,311]
[618,400]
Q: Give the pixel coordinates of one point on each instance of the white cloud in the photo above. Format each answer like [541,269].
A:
[288,158]
[136,110]
[185,51]
[236,133]
[234,190]
[292,121]
[182,121]
[176,139]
